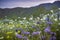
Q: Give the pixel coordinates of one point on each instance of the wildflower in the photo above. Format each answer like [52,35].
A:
[47,19]
[52,11]
[19,17]
[59,8]
[52,33]
[24,18]
[47,29]
[27,22]
[1,37]
[57,29]
[53,36]
[11,27]
[38,18]
[58,23]
[26,32]
[55,19]
[49,22]
[31,18]
[19,36]
[36,33]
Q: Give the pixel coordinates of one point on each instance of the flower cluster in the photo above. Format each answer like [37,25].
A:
[44,28]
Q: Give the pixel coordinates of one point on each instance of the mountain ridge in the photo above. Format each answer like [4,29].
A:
[22,12]
[35,6]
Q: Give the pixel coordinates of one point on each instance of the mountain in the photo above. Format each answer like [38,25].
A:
[27,12]
[57,3]
[49,5]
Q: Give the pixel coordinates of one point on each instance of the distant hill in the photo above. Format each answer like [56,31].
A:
[22,12]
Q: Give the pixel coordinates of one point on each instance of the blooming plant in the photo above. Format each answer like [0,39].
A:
[44,28]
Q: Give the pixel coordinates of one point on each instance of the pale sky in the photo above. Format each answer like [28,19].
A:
[22,3]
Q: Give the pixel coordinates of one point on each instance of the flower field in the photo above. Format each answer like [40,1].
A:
[44,27]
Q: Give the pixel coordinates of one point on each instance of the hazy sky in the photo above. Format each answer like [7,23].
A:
[22,3]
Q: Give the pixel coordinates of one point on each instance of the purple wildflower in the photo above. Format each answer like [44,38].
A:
[52,38]
[26,33]
[19,36]
[49,22]
[53,34]
[47,19]
[47,29]
[35,33]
